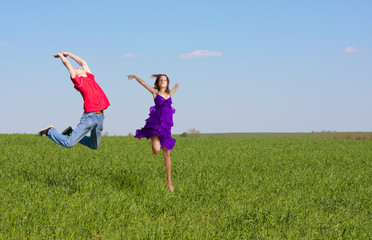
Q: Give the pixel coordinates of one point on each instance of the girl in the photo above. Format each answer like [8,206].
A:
[158,125]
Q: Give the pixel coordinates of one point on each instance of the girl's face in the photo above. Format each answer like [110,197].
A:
[163,82]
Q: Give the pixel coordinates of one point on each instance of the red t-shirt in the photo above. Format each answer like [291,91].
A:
[94,97]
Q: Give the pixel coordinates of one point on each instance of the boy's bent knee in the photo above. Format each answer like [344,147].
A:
[69,145]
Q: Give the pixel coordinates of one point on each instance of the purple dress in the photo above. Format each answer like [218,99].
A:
[160,122]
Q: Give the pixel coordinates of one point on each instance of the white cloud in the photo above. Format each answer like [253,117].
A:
[130,55]
[352,50]
[3,43]
[201,53]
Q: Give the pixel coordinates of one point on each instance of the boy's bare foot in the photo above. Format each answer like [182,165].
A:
[170,185]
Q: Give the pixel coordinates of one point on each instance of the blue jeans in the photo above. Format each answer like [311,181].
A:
[89,122]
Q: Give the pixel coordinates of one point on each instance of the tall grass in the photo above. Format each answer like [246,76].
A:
[225,188]
[299,135]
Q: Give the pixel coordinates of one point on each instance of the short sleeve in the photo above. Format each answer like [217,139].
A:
[89,75]
[76,80]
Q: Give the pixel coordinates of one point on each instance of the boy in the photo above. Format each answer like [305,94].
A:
[95,102]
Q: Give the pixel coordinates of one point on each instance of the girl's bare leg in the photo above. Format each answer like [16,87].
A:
[155,144]
[167,163]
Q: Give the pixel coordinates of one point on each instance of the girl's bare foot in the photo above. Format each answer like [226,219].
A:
[170,185]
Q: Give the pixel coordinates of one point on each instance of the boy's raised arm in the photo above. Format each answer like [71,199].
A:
[79,60]
[66,63]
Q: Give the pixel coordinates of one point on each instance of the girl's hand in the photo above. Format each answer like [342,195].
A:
[131,76]
[174,89]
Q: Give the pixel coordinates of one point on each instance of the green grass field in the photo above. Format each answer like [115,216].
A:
[225,188]
[304,135]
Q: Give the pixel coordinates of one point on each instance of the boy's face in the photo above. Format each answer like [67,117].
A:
[80,72]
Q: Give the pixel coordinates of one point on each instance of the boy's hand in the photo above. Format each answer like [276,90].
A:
[58,55]
[65,53]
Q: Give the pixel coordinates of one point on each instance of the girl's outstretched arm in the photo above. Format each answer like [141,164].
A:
[148,87]
[174,89]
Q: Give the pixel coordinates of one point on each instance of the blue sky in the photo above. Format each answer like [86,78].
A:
[242,66]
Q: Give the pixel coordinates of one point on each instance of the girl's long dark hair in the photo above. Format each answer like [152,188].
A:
[156,84]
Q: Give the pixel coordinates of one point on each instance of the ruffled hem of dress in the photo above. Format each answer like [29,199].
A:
[148,132]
